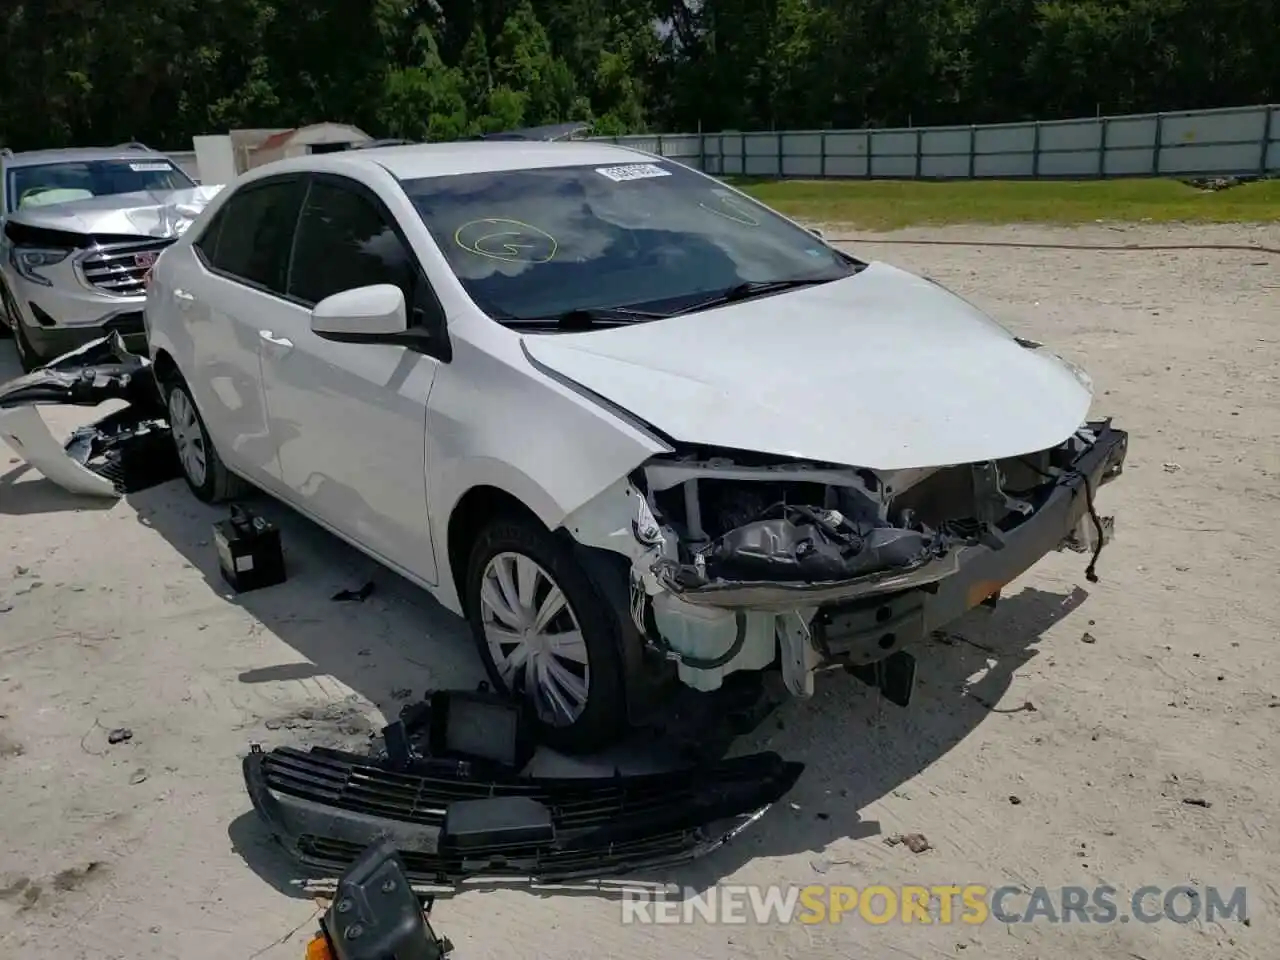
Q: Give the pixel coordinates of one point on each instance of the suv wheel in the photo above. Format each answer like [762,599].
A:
[546,635]
[203,469]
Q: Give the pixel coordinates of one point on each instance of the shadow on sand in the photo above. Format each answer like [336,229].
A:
[399,642]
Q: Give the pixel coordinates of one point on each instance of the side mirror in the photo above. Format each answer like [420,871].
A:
[362,315]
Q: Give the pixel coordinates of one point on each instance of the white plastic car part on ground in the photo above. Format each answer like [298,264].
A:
[90,375]
[25,431]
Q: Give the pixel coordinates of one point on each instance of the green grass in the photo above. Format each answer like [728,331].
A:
[892,204]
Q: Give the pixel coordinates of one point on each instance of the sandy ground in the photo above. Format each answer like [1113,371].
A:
[113,617]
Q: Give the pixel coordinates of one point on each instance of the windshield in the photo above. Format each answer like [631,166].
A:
[48,183]
[653,236]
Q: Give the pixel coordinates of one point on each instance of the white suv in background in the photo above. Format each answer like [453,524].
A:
[81,229]
[617,414]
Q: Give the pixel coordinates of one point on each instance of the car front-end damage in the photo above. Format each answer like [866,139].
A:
[78,269]
[745,562]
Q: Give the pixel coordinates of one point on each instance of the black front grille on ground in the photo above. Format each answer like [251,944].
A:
[122,268]
[523,860]
[341,780]
[327,806]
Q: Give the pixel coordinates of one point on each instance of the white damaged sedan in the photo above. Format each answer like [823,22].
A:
[619,415]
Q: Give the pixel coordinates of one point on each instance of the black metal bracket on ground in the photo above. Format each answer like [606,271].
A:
[462,732]
[375,915]
[894,676]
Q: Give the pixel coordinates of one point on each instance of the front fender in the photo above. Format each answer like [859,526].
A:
[496,421]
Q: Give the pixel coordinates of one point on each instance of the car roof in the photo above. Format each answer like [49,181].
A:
[33,158]
[412,161]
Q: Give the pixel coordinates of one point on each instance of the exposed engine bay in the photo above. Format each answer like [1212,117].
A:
[742,562]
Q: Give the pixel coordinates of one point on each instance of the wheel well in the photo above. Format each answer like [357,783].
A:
[478,506]
[164,367]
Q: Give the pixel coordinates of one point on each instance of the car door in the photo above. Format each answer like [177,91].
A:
[349,420]
[224,295]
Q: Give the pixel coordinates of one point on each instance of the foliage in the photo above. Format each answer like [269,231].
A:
[89,72]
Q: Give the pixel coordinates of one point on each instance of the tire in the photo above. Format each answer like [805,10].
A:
[27,356]
[202,468]
[514,543]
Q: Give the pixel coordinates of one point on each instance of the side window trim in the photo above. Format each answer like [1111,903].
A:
[220,220]
[422,283]
[308,183]
[211,233]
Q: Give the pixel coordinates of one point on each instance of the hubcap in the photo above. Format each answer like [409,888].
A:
[534,638]
[188,436]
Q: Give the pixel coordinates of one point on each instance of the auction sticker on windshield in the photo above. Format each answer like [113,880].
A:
[150,167]
[633,171]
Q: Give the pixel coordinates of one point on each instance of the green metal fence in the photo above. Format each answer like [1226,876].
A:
[1235,141]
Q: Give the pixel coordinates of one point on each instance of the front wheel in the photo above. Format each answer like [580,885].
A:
[203,469]
[546,635]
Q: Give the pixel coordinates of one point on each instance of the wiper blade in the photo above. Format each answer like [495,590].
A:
[584,318]
[754,288]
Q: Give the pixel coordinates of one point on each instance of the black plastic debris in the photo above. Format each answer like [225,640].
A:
[488,732]
[375,914]
[495,822]
[249,552]
[101,370]
[448,793]
[131,448]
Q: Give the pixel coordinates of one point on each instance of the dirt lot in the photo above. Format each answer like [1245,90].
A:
[1054,742]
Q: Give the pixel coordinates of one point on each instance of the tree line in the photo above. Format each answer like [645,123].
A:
[80,72]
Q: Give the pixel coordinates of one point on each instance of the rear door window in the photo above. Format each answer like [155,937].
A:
[345,241]
[253,232]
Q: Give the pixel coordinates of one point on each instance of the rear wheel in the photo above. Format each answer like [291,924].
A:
[546,635]
[206,475]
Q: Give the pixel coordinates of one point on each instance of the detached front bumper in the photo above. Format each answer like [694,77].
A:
[889,609]
[327,806]
[124,451]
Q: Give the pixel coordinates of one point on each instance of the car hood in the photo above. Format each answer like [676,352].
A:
[883,370]
[149,213]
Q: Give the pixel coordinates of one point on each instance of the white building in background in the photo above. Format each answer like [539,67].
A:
[220,158]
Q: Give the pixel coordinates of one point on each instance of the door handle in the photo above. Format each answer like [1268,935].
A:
[275,341]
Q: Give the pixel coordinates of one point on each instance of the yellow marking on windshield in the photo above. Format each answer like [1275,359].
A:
[511,241]
[735,210]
